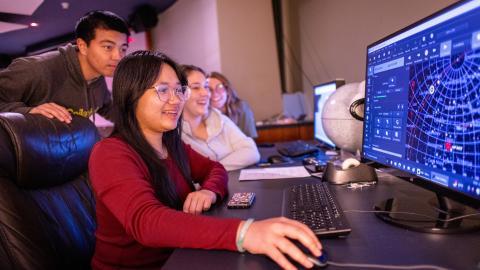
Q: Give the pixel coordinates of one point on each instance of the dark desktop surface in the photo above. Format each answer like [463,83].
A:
[371,240]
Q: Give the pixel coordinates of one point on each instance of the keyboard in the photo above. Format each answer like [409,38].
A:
[315,206]
[296,149]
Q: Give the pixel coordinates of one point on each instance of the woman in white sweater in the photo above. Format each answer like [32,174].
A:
[211,133]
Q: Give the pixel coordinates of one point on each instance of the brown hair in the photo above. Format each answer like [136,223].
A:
[233,101]
[187,69]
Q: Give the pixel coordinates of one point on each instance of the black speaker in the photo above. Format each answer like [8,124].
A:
[143,18]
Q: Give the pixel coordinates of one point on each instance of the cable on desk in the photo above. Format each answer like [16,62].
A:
[386,266]
[415,214]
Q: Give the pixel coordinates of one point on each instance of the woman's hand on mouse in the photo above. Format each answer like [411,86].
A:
[272,238]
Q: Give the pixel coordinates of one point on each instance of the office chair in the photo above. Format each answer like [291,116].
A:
[47,208]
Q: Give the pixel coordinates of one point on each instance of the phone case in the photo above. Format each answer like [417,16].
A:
[241,200]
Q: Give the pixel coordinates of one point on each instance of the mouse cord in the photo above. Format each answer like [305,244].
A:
[386,266]
[414,214]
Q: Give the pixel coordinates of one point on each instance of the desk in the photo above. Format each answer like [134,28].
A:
[371,240]
[285,132]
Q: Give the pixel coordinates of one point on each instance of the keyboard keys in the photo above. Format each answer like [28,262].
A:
[296,149]
[315,206]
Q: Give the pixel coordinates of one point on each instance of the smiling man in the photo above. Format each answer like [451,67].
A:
[68,81]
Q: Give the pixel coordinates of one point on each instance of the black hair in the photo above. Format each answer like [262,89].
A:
[99,19]
[134,74]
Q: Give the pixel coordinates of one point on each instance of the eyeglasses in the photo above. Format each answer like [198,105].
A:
[181,92]
[219,89]
[198,87]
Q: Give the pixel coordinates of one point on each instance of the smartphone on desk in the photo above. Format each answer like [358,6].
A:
[241,200]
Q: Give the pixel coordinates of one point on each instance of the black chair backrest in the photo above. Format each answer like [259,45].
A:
[47,208]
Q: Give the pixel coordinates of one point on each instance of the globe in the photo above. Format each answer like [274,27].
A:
[340,125]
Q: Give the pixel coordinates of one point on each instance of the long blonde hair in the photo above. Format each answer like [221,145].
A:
[233,101]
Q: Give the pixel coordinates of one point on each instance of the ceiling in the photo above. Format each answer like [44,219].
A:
[55,23]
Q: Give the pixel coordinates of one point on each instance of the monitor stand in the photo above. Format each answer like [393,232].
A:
[438,209]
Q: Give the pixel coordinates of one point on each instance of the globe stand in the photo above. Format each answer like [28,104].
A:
[360,173]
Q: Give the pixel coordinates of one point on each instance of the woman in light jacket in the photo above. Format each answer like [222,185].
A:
[210,132]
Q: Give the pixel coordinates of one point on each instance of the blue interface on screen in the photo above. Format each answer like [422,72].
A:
[422,112]
[320,95]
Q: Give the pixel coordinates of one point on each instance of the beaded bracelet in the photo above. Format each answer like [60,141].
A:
[242,233]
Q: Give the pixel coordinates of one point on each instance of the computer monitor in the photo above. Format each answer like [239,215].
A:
[422,116]
[321,93]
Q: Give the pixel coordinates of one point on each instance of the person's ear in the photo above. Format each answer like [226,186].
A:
[82,46]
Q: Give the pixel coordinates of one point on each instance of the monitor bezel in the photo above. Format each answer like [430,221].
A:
[405,175]
[338,83]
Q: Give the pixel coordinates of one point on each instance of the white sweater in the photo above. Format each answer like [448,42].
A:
[225,143]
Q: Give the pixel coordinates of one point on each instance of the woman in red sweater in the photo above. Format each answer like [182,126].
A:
[150,188]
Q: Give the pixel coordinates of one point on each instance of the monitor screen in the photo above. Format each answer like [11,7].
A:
[422,107]
[321,93]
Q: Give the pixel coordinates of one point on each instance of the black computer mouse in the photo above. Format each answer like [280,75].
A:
[319,262]
[276,159]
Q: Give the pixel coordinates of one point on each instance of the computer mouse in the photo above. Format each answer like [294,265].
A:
[319,262]
[276,159]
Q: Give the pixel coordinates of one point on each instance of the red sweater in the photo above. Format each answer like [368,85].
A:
[134,229]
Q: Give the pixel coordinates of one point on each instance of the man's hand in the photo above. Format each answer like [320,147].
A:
[199,201]
[52,110]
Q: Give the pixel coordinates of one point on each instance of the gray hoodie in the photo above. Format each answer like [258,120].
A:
[52,77]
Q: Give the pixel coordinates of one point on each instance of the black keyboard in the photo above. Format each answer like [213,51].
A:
[315,206]
[296,149]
